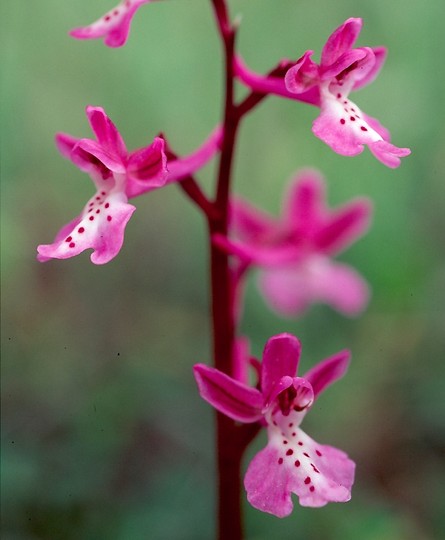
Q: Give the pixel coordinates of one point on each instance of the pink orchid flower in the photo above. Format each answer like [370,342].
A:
[117,175]
[291,462]
[341,124]
[294,252]
[114,26]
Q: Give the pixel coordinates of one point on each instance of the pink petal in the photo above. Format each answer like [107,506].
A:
[328,371]
[114,26]
[318,474]
[106,132]
[388,154]
[380,54]
[350,61]
[340,41]
[101,228]
[291,393]
[280,358]
[230,397]
[90,156]
[303,75]
[291,289]
[61,235]
[147,169]
[344,226]
[65,143]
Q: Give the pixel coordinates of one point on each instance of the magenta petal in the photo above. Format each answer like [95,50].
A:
[328,371]
[303,75]
[65,144]
[230,397]
[106,132]
[344,63]
[340,41]
[388,154]
[344,227]
[147,169]
[91,156]
[280,358]
[380,54]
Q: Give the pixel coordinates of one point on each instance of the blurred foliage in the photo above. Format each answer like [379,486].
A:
[104,435]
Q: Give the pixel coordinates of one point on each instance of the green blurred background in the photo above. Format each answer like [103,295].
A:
[104,435]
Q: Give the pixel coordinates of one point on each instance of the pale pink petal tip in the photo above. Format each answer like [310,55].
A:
[114,26]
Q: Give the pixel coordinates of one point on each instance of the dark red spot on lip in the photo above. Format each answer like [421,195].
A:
[109,218]
[352,119]
[72,245]
[284,442]
[297,463]
[97,211]
[280,461]
[315,468]
[306,454]
[91,218]
[312,488]
[107,205]
[318,453]
[363,128]
[69,239]
[338,96]
[80,230]
[342,121]
[289,452]
[107,18]
[307,480]
[300,443]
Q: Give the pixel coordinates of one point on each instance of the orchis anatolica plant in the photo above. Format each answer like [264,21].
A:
[294,254]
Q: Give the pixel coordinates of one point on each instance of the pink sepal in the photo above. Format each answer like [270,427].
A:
[380,54]
[344,227]
[230,397]
[65,144]
[106,132]
[328,371]
[147,168]
[341,40]
[303,75]
[280,358]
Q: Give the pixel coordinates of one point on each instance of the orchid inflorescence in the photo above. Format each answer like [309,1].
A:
[294,255]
